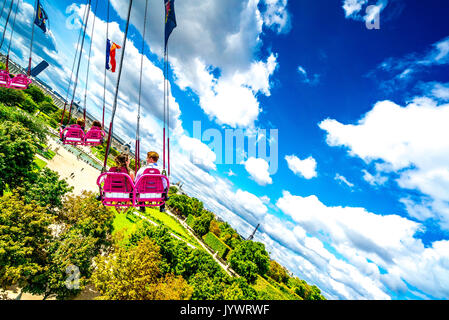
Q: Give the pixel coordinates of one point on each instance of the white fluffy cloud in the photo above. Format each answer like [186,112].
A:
[342,179]
[352,7]
[213,52]
[200,153]
[359,243]
[276,15]
[305,168]
[356,9]
[258,170]
[409,140]
[374,180]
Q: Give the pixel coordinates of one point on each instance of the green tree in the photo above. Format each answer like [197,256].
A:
[46,188]
[47,107]
[197,206]
[134,274]
[16,154]
[24,239]
[304,290]
[277,272]
[70,252]
[249,259]
[180,204]
[36,126]
[57,116]
[28,105]
[201,225]
[89,216]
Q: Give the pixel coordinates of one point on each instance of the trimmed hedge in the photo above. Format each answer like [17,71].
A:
[217,245]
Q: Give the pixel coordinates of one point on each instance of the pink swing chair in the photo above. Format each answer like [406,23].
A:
[116,188]
[149,189]
[20,82]
[72,135]
[94,137]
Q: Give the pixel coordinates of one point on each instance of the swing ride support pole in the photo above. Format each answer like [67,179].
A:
[6,24]
[165,100]
[105,70]
[114,106]
[168,118]
[79,61]
[32,38]
[88,60]
[73,68]
[137,160]
[12,33]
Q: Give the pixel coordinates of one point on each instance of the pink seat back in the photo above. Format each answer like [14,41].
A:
[118,183]
[73,135]
[94,136]
[150,186]
[20,82]
[4,79]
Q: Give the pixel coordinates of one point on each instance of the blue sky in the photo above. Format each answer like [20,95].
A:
[358,204]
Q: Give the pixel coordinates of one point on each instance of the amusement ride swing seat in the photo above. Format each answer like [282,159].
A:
[149,189]
[72,135]
[116,188]
[94,137]
[20,82]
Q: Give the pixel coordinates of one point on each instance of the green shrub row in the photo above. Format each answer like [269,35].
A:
[217,245]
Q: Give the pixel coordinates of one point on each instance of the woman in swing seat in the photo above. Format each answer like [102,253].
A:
[123,161]
[122,166]
[95,135]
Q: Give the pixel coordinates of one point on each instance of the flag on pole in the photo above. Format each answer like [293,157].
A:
[110,56]
[170,19]
[41,17]
[108,53]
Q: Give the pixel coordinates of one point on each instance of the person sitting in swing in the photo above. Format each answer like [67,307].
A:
[122,165]
[96,124]
[80,122]
[123,161]
[152,159]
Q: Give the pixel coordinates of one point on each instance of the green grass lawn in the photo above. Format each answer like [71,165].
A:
[126,223]
[171,223]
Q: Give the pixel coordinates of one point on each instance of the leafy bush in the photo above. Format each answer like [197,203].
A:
[28,105]
[35,93]
[190,220]
[17,154]
[202,223]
